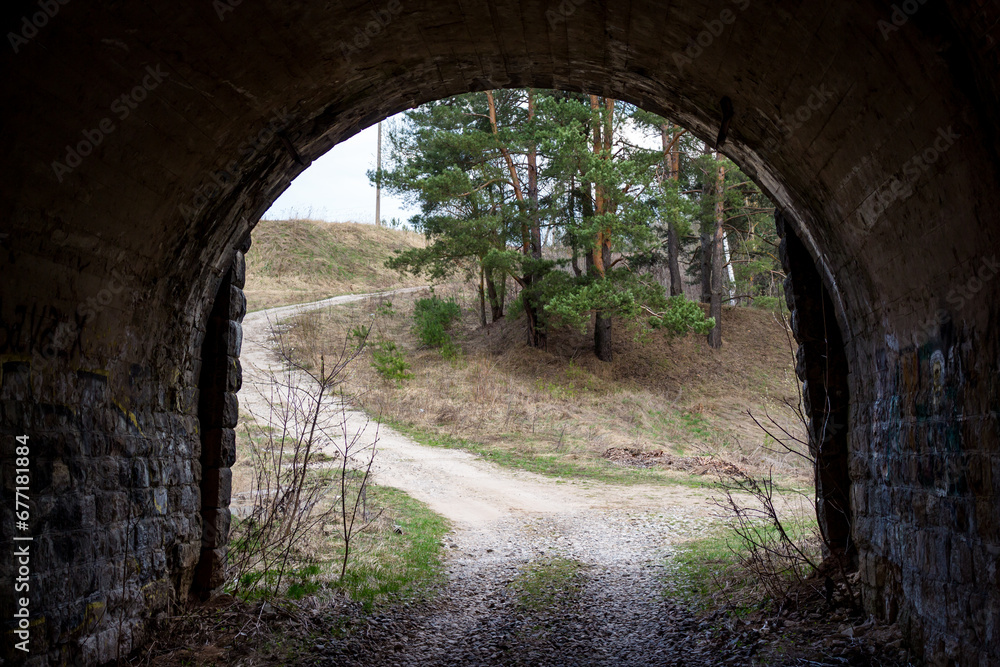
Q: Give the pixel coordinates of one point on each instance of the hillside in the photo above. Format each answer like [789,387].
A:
[294,261]
[660,393]
[561,410]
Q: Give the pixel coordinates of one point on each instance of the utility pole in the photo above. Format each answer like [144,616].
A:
[378,179]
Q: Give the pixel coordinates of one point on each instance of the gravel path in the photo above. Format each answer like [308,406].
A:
[615,611]
[479,497]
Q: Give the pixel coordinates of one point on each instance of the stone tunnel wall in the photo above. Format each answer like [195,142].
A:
[910,491]
[220,379]
[821,365]
[116,490]
[881,143]
[925,474]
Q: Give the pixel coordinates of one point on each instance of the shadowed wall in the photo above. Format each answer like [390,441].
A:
[143,140]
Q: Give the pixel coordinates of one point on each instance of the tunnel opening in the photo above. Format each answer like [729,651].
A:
[220,378]
[821,365]
[889,174]
[804,312]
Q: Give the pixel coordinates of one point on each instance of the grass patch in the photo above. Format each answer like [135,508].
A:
[711,572]
[549,464]
[405,565]
[545,583]
[696,424]
[398,556]
[702,568]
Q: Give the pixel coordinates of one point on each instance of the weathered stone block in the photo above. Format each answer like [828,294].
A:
[234,339]
[237,304]
[186,554]
[231,411]
[238,275]
[215,527]
[147,534]
[161,500]
[187,400]
[216,487]
[234,380]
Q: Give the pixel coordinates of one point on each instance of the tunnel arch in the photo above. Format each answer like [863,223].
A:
[145,141]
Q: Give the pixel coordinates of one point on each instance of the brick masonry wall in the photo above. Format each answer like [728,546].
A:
[922,461]
[116,501]
[925,471]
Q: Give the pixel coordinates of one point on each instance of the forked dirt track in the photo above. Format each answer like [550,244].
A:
[471,492]
[616,613]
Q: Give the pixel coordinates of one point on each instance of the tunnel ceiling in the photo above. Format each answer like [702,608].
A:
[199,115]
[142,140]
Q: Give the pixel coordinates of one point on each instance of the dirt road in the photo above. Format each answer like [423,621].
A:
[468,490]
[504,520]
[615,609]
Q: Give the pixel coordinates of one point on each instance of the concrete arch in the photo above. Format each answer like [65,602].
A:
[143,142]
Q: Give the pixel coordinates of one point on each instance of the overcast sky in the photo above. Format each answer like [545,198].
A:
[335,187]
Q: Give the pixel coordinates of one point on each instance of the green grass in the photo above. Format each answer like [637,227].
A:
[699,567]
[706,573]
[696,424]
[383,564]
[411,562]
[548,464]
[546,582]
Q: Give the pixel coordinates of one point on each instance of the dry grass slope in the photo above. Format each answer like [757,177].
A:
[563,404]
[295,261]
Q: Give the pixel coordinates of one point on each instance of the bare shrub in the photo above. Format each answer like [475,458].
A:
[301,427]
[778,554]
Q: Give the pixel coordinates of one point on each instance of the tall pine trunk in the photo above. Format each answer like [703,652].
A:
[706,266]
[529,228]
[673,261]
[601,252]
[496,299]
[482,297]
[602,322]
[715,308]
[536,333]
[672,164]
